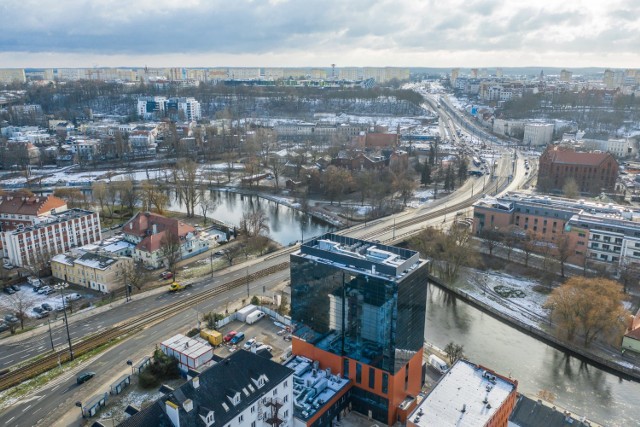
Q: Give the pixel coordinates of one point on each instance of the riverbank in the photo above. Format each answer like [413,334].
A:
[529,317]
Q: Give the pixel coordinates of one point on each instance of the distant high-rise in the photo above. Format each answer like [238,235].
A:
[454,76]
[359,308]
[566,75]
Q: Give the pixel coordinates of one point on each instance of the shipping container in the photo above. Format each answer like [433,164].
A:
[242,314]
[213,337]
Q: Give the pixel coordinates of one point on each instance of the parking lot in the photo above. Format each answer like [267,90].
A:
[24,298]
[264,331]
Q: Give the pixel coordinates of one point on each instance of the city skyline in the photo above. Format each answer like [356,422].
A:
[281,33]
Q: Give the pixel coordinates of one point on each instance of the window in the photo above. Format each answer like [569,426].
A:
[345,368]
[372,378]
[241,418]
[358,373]
[385,383]
[275,391]
[253,409]
[285,399]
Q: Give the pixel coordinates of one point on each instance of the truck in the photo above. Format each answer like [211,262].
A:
[242,314]
[175,286]
[253,317]
[438,364]
[213,337]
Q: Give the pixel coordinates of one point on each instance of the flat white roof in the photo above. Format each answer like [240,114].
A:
[465,386]
[187,346]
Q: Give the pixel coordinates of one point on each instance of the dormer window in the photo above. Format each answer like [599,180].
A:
[207,416]
[235,399]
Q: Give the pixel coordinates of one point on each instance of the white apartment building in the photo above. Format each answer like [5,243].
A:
[53,234]
[151,106]
[12,75]
[537,134]
[618,147]
[243,73]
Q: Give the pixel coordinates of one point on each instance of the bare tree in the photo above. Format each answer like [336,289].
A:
[254,223]
[565,249]
[207,204]
[21,303]
[490,239]
[99,194]
[629,275]
[528,246]
[153,197]
[133,274]
[454,352]
[171,250]
[185,179]
[129,196]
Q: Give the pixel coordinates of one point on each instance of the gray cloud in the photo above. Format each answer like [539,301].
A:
[255,27]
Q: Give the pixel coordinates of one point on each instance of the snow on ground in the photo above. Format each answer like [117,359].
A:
[481,285]
[30,298]
[134,398]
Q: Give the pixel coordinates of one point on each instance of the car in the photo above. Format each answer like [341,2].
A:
[7,265]
[44,289]
[47,307]
[9,290]
[10,318]
[83,377]
[38,309]
[237,338]
[73,297]
[49,292]
[248,344]
[229,336]
[3,327]
[15,288]
[41,315]
[166,275]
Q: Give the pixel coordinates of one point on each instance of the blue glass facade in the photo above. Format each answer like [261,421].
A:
[360,300]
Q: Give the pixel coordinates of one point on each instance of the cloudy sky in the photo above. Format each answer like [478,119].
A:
[428,33]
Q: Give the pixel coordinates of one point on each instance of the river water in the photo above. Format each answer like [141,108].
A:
[286,225]
[578,386]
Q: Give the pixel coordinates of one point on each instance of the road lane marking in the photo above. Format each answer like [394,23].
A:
[26,409]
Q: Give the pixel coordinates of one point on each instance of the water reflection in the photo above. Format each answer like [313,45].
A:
[577,385]
[286,225]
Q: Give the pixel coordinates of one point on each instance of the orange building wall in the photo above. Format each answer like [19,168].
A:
[396,386]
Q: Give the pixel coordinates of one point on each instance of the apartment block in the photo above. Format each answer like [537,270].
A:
[537,134]
[358,309]
[52,234]
[12,75]
[602,233]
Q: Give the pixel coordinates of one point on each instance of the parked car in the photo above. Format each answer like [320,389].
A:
[10,318]
[49,292]
[7,265]
[229,336]
[9,290]
[15,288]
[83,377]
[166,275]
[4,327]
[47,307]
[73,297]
[237,338]
[38,309]
[44,289]
[248,344]
[41,315]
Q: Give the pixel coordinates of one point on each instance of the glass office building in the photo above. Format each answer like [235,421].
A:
[359,300]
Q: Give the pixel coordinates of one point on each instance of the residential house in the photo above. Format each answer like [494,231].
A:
[91,270]
[146,230]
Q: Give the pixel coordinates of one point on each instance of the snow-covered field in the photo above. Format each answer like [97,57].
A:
[481,285]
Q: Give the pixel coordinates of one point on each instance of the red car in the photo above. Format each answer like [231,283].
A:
[167,275]
[229,336]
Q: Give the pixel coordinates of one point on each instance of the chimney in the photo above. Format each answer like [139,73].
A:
[173,412]
[188,405]
[196,382]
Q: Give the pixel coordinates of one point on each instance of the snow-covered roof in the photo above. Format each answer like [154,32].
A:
[467,395]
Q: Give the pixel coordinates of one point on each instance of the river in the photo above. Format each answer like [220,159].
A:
[286,225]
[578,386]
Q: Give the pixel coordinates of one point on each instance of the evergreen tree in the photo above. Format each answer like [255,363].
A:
[432,155]
[449,179]
[462,170]
[425,174]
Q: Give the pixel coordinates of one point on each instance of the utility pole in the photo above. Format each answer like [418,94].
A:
[51,335]
[66,323]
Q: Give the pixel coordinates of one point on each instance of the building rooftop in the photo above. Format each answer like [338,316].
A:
[566,156]
[56,218]
[364,256]
[534,413]
[226,389]
[188,346]
[467,395]
[313,388]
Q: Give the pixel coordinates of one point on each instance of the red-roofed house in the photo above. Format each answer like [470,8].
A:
[592,172]
[146,231]
[377,140]
[19,209]
[631,340]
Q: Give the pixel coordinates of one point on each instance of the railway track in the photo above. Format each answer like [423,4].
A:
[131,326]
[155,316]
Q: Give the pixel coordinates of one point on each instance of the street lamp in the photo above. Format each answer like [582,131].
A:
[66,322]
[211,263]
[51,335]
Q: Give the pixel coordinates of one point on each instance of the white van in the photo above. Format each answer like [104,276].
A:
[286,354]
[438,364]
